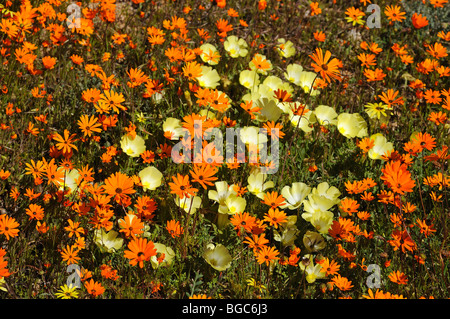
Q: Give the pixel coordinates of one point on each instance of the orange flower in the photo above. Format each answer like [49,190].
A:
[394,14]
[398,277]
[65,143]
[74,228]
[204,174]
[366,144]
[342,283]
[89,125]
[315,10]
[328,69]
[397,177]
[329,268]
[275,217]
[174,228]
[54,174]
[367,60]
[35,212]
[48,62]
[94,288]
[8,226]
[374,75]
[419,21]
[437,50]
[402,240]
[349,206]
[243,220]
[119,185]
[182,186]
[110,100]
[424,141]
[266,255]
[91,95]
[131,225]
[390,98]
[70,255]
[432,96]
[140,250]
[273,200]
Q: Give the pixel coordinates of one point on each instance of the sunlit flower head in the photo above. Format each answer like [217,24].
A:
[133,147]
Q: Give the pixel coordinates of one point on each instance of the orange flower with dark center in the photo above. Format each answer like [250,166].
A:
[174,228]
[328,69]
[94,288]
[394,14]
[329,267]
[402,240]
[275,217]
[342,283]
[267,255]
[119,186]
[182,187]
[140,250]
[424,141]
[273,200]
[349,206]
[243,220]
[192,70]
[204,174]
[35,212]
[65,144]
[397,177]
[8,226]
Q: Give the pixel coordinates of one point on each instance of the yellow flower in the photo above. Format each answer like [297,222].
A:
[217,256]
[352,125]
[107,242]
[132,147]
[151,178]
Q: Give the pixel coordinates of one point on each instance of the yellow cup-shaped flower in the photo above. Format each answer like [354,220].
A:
[381,146]
[306,82]
[151,178]
[269,110]
[322,221]
[352,125]
[235,204]
[285,48]
[294,195]
[217,256]
[315,204]
[209,79]
[248,78]
[293,72]
[172,128]
[132,147]
[235,46]
[107,242]
[326,115]
[189,204]
[169,255]
[257,184]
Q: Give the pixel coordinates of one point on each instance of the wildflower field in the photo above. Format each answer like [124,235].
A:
[268,149]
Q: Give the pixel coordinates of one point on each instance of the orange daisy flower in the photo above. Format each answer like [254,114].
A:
[273,199]
[267,255]
[181,186]
[328,69]
[174,228]
[8,226]
[140,250]
[119,185]
[94,288]
[275,217]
